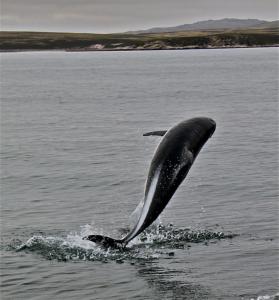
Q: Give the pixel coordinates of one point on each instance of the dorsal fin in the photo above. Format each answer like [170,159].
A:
[157,133]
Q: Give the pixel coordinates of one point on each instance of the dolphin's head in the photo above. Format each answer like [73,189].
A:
[209,125]
[197,131]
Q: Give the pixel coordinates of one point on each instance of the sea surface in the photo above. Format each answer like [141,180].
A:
[74,162]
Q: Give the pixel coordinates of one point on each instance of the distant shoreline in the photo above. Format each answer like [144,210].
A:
[17,41]
[133,50]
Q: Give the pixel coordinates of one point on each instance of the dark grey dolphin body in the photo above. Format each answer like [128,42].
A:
[171,163]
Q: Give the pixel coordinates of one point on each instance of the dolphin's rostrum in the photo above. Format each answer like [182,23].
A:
[171,163]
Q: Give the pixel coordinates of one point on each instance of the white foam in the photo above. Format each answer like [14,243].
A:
[267,297]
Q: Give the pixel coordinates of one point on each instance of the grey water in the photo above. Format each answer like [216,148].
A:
[74,162]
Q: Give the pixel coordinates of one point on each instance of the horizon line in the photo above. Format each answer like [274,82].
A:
[131,30]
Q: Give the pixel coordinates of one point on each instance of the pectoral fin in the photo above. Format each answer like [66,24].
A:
[157,133]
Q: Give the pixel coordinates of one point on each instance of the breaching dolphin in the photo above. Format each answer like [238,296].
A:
[171,163]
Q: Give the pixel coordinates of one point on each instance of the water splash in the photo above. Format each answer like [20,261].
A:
[172,237]
[267,297]
[150,245]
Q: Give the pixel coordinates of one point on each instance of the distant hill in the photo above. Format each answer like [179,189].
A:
[225,33]
[269,25]
[223,24]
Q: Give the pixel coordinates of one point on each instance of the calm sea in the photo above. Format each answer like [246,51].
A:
[74,162]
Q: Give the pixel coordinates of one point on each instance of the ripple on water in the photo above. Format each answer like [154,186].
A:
[151,244]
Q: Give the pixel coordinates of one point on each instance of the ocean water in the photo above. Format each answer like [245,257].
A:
[74,162]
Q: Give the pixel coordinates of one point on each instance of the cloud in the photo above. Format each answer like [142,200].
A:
[121,15]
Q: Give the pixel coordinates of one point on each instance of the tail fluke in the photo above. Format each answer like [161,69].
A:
[105,241]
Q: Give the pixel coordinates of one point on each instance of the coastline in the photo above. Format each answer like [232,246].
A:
[138,49]
[80,42]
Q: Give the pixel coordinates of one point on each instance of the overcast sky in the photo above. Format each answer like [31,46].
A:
[123,15]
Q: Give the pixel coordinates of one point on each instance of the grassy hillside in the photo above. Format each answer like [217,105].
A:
[12,40]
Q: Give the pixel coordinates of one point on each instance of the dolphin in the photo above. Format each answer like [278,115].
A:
[170,164]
